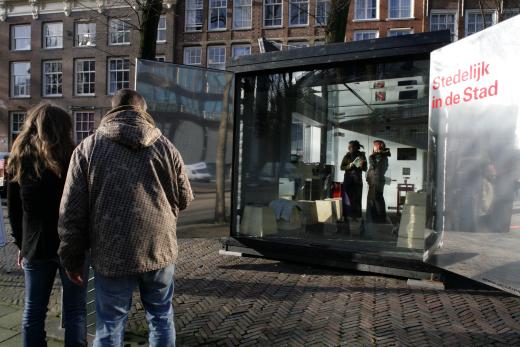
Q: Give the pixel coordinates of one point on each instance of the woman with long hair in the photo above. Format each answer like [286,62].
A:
[377,167]
[354,163]
[37,168]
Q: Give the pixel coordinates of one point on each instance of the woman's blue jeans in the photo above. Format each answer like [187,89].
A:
[39,279]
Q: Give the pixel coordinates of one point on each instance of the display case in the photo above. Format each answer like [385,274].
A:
[298,192]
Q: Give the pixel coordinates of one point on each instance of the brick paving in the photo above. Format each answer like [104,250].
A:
[228,301]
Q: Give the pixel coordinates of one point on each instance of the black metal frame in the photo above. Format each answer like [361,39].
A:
[384,49]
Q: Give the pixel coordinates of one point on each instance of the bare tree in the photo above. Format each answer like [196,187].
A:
[337,21]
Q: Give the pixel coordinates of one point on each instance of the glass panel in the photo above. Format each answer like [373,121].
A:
[328,156]
[193,107]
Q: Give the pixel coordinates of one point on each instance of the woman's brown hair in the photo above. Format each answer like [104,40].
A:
[45,142]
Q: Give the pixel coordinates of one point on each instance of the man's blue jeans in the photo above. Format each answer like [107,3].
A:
[39,279]
[114,300]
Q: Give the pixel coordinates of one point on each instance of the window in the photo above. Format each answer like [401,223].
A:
[399,32]
[193,15]
[298,12]
[53,35]
[21,79]
[319,43]
[510,13]
[242,14]
[85,77]
[272,13]
[119,32]
[17,120]
[217,57]
[21,37]
[444,21]
[365,35]
[240,50]
[160,58]
[400,9]
[52,78]
[322,11]
[294,45]
[85,34]
[366,9]
[118,74]
[192,55]
[217,14]
[476,22]
[83,125]
[161,30]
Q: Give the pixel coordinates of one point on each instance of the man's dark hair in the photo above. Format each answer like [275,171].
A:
[128,97]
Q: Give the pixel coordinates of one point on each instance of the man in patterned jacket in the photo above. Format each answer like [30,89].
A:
[125,187]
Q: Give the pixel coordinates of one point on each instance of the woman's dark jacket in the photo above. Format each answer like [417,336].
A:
[377,166]
[33,211]
[353,174]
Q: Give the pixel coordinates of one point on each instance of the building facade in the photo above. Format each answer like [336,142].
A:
[73,54]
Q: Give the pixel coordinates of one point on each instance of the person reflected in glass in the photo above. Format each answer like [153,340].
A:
[377,167]
[354,163]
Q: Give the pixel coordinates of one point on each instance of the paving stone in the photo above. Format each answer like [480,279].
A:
[5,310]
[6,334]
[12,320]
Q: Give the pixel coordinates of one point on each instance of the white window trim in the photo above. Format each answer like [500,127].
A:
[186,29]
[11,81]
[76,44]
[160,56]
[124,20]
[165,30]
[316,24]
[364,31]
[412,12]
[76,121]
[11,124]
[485,11]
[12,39]
[289,17]
[455,12]
[44,93]
[263,17]
[184,55]
[108,73]
[241,45]
[207,56]
[76,75]
[250,17]
[44,46]
[209,17]
[408,30]
[378,14]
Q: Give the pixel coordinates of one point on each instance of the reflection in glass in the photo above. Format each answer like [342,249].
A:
[297,180]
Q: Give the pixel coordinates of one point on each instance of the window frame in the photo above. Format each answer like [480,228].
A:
[218,9]
[240,45]
[12,80]
[58,74]
[44,36]
[77,73]
[109,79]
[408,31]
[12,132]
[264,6]
[160,29]
[189,48]
[124,32]
[446,12]
[298,25]
[197,27]
[376,18]
[220,63]
[412,14]
[327,4]
[368,31]
[76,34]
[83,132]
[240,6]
[494,15]
[13,38]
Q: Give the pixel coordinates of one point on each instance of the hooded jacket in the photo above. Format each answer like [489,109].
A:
[125,186]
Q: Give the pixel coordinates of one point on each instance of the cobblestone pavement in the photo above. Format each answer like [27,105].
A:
[229,301]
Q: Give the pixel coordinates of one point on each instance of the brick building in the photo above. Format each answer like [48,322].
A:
[74,54]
